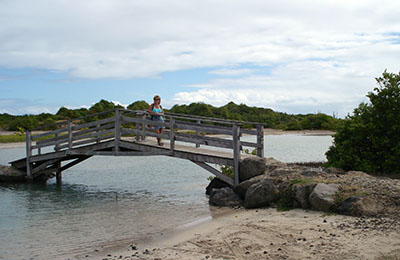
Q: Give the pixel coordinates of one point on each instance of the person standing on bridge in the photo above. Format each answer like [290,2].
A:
[157,114]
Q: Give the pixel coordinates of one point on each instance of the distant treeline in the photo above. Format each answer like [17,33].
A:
[242,112]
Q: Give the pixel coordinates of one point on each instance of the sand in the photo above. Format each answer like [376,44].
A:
[268,234]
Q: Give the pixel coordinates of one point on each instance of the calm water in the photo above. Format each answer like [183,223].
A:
[109,200]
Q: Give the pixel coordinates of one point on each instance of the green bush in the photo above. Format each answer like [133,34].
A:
[369,140]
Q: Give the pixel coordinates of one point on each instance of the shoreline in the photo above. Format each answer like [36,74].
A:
[266,234]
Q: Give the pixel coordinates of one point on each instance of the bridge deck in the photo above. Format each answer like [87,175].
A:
[127,134]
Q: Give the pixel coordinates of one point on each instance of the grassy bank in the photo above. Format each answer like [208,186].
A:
[12,138]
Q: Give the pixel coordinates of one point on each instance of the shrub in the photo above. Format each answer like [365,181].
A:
[369,140]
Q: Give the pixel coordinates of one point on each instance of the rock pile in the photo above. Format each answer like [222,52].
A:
[268,182]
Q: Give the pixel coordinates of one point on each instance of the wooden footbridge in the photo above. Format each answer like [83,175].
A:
[122,132]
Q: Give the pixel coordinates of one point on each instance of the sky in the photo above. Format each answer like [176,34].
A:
[296,57]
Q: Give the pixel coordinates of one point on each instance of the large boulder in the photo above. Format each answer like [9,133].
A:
[321,198]
[260,194]
[350,206]
[302,193]
[242,188]
[215,183]
[11,174]
[224,197]
[251,167]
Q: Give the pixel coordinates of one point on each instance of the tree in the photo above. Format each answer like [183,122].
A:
[369,140]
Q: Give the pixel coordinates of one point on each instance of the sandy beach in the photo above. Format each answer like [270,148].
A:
[268,234]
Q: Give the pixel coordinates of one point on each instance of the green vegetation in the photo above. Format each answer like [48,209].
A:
[369,140]
[265,116]
[12,138]
[232,111]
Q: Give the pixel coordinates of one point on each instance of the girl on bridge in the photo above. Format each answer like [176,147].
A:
[157,114]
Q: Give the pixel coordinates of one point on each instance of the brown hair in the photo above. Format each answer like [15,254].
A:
[156,97]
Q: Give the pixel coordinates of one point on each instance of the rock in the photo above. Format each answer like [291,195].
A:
[302,193]
[350,206]
[334,170]
[282,171]
[242,188]
[260,194]
[311,172]
[224,197]
[272,164]
[321,198]
[215,183]
[251,167]
[11,174]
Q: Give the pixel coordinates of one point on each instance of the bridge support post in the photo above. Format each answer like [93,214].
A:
[28,156]
[58,177]
[260,140]
[236,151]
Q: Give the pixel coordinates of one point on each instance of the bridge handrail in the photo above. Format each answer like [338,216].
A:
[125,122]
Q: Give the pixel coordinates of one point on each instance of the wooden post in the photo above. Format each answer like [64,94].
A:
[137,126]
[236,151]
[172,135]
[143,127]
[59,174]
[260,140]
[117,130]
[69,134]
[198,133]
[28,156]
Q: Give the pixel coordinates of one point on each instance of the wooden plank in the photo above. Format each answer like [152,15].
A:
[55,132]
[249,144]
[145,133]
[248,131]
[93,135]
[214,171]
[95,123]
[236,152]
[128,153]
[94,129]
[209,141]
[203,128]
[89,141]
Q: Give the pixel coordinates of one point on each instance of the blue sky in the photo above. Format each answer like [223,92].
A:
[291,56]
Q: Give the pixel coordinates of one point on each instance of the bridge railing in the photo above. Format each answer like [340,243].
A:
[120,124]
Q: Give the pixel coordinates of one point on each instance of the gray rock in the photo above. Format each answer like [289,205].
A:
[260,194]
[215,183]
[242,188]
[251,167]
[11,174]
[321,198]
[350,206]
[302,193]
[224,197]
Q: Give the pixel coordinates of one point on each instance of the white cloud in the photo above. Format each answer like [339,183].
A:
[318,53]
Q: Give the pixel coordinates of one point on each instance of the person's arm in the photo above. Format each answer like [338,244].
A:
[162,110]
[150,110]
